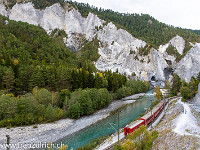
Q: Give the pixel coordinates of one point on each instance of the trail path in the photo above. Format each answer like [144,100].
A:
[186,123]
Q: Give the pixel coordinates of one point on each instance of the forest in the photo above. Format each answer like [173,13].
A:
[141,26]
[187,90]
[41,80]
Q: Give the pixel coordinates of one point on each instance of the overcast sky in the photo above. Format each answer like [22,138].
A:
[179,13]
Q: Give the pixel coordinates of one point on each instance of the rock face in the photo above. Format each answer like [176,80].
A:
[118,50]
[3,10]
[55,17]
[177,42]
[197,97]
[190,65]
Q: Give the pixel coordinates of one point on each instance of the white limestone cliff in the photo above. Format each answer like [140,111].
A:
[25,13]
[190,65]
[3,10]
[116,49]
[117,44]
[55,17]
[177,42]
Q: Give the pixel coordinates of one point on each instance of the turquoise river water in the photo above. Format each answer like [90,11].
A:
[102,128]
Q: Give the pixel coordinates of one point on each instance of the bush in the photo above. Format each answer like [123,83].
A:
[117,147]
[63,94]
[121,93]
[93,96]
[74,111]
[104,98]
[44,97]
[85,103]
[185,93]
[92,144]
[141,139]
[50,113]
[7,107]
[35,126]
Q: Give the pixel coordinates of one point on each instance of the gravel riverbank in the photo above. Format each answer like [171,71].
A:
[52,132]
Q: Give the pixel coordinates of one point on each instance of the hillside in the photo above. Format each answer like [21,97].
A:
[113,45]
[195,31]
[66,59]
[174,47]
[42,80]
[143,26]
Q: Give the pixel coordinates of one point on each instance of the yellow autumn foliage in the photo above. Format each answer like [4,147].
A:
[158,94]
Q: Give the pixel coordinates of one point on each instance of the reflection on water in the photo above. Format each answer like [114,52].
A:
[103,128]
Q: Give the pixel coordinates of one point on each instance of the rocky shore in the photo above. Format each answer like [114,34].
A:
[51,132]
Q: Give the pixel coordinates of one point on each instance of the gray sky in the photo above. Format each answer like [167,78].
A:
[181,13]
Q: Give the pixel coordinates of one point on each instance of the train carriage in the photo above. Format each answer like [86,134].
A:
[155,111]
[133,126]
[146,119]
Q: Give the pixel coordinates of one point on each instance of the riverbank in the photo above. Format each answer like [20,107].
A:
[179,128]
[52,132]
[108,143]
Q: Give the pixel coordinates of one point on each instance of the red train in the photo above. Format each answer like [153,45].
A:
[146,119]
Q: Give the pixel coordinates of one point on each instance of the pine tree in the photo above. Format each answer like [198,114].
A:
[9,79]
[176,84]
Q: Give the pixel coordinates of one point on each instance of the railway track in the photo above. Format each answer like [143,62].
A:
[108,144]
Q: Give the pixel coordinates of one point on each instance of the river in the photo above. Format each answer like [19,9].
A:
[103,128]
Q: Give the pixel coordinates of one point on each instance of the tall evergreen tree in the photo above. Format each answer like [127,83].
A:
[9,79]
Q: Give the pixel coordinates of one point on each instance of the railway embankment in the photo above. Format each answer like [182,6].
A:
[108,143]
[179,128]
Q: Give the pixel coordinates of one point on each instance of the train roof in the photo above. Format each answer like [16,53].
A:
[155,109]
[135,123]
[157,106]
[148,115]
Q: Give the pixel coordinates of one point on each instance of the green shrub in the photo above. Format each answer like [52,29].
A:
[35,126]
[50,113]
[185,93]
[44,97]
[92,144]
[74,111]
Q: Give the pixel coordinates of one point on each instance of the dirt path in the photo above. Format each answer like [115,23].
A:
[178,129]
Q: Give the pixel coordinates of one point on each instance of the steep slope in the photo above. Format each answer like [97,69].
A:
[142,26]
[190,65]
[55,17]
[118,49]
[177,42]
